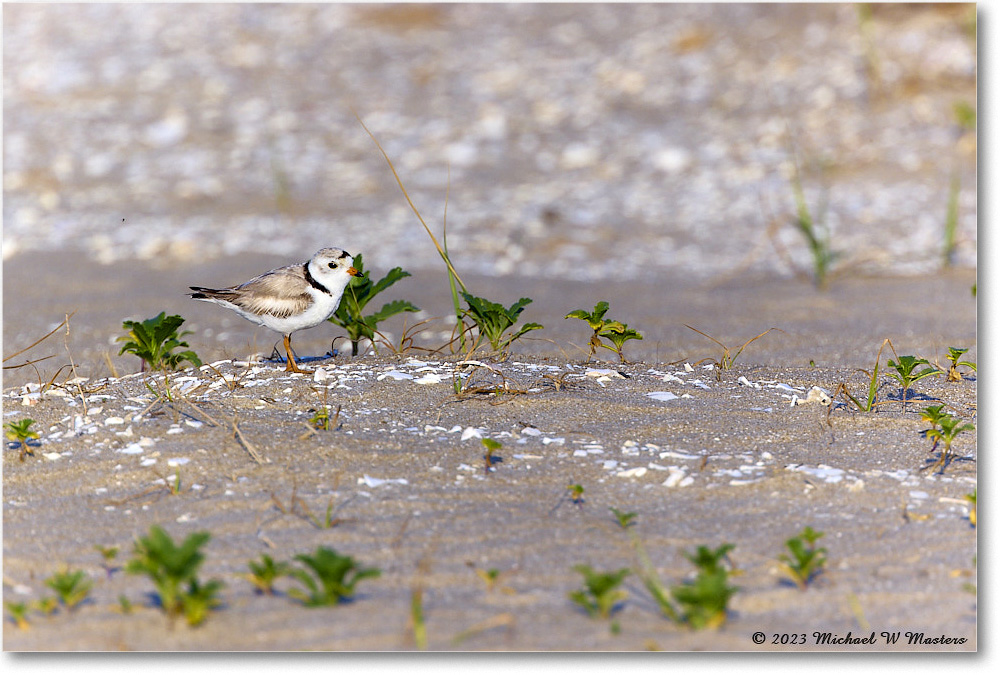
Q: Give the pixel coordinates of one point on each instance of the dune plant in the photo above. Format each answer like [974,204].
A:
[971,498]
[871,401]
[954,354]
[625,519]
[21,432]
[616,332]
[359,292]
[173,570]
[600,594]
[491,447]
[71,588]
[948,428]
[154,341]
[905,372]
[492,320]
[806,560]
[108,555]
[328,577]
[816,233]
[264,572]
[19,613]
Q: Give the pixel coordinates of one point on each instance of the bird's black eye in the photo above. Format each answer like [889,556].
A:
[332,265]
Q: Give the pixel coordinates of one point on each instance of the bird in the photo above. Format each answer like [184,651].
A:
[289,298]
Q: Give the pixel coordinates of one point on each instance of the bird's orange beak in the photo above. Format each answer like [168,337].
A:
[353,272]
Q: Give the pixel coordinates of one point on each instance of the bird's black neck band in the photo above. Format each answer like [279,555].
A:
[315,284]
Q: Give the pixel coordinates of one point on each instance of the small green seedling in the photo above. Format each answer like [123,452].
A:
[949,427]
[728,359]
[816,233]
[359,292]
[806,560]
[21,432]
[173,570]
[108,555]
[19,613]
[904,371]
[575,493]
[933,414]
[871,402]
[954,354]
[614,331]
[124,604]
[47,605]
[264,573]
[71,588]
[321,419]
[625,520]
[704,600]
[971,498]
[491,459]
[492,320]
[154,341]
[332,579]
[600,594]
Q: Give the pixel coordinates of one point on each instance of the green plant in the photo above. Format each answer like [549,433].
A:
[971,498]
[21,433]
[614,331]
[965,115]
[871,401]
[264,573]
[904,372]
[624,519]
[815,232]
[47,605]
[701,602]
[949,427]
[154,341]
[491,447]
[359,292]
[806,560]
[417,618]
[493,319]
[72,588]
[728,359]
[332,579]
[124,604]
[108,555]
[600,593]
[954,354]
[575,493]
[704,600]
[19,613]
[951,223]
[173,570]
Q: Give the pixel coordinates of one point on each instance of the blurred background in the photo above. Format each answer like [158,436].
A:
[590,142]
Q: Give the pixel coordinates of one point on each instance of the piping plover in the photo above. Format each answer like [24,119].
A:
[289,298]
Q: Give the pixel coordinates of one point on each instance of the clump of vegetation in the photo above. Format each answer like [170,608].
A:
[21,432]
[945,427]
[816,233]
[971,498]
[154,341]
[108,555]
[700,602]
[905,372]
[492,320]
[173,570]
[328,578]
[954,354]
[600,595]
[625,519]
[489,458]
[728,358]
[19,613]
[616,332]
[71,588]
[806,560]
[871,402]
[264,572]
[575,493]
[359,292]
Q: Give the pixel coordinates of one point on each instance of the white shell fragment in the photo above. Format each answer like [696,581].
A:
[662,395]
[815,395]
